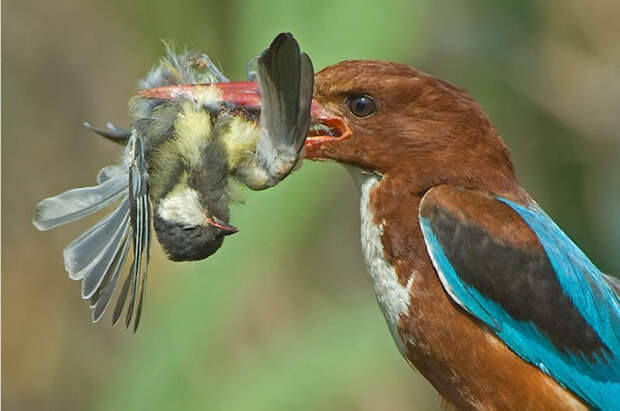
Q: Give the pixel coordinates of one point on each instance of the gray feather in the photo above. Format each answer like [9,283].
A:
[306,86]
[186,68]
[102,264]
[84,249]
[118,130]
[140,221]
[137,251]
[251,73]
[109,276]
[108,288]
[211,67]
[139,248]
[77,203]
[147,242]
[286,80]
[279,77]
[113,133]
[108,172]
[120,302]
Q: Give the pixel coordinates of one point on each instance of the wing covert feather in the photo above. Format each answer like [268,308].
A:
[511,267]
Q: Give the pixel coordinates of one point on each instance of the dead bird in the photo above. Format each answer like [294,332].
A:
[182,151]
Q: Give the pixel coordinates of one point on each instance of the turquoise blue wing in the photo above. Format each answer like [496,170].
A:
[513,268]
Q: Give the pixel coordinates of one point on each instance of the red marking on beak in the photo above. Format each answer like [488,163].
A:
[221,225]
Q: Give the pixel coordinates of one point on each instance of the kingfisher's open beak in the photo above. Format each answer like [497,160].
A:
[325,128]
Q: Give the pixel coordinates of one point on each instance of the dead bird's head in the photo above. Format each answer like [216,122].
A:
[189,181]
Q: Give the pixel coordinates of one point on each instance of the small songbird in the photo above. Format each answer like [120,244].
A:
[482,292]
[182,153]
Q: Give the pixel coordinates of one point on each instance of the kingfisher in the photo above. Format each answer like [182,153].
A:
[482,292]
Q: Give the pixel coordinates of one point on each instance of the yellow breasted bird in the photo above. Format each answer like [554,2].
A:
[181,153]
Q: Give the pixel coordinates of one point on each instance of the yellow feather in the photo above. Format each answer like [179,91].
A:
[193,129]
[240,140]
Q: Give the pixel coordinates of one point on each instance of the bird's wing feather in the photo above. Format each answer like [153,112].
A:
[98,256]
[140,215]
[286,79]
[100,267]
[78,203]
[81,254]
[511,267]
[109,172]
[113,133]
[279,69]
[306,86]
[101,299]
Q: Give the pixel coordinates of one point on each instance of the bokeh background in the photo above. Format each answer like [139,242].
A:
[283,317]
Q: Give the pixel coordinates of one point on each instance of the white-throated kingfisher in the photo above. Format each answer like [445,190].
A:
[483,293]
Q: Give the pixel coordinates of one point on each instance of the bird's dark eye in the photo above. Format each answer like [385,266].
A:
[362,106]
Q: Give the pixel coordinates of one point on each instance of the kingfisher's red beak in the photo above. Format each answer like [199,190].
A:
[241,93]
[325,128]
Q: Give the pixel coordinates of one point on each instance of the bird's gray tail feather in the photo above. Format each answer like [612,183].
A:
[98,256]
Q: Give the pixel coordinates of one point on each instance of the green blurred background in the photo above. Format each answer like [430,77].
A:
[283,317]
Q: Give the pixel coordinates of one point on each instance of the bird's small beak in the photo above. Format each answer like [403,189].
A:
[226,228]
[325,128]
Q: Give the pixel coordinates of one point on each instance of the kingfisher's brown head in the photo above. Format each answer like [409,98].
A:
[390,118]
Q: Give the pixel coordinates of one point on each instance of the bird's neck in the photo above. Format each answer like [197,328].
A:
[392,287]
[389,206]
[392,296]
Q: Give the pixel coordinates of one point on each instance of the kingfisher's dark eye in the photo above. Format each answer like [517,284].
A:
[362,106]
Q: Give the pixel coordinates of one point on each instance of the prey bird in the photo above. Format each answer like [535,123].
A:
[182,153]
[482,292]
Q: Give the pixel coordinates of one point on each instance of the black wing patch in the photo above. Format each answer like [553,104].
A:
[522,281]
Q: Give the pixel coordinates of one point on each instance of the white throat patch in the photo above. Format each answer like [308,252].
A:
[182,206]
[393,298]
